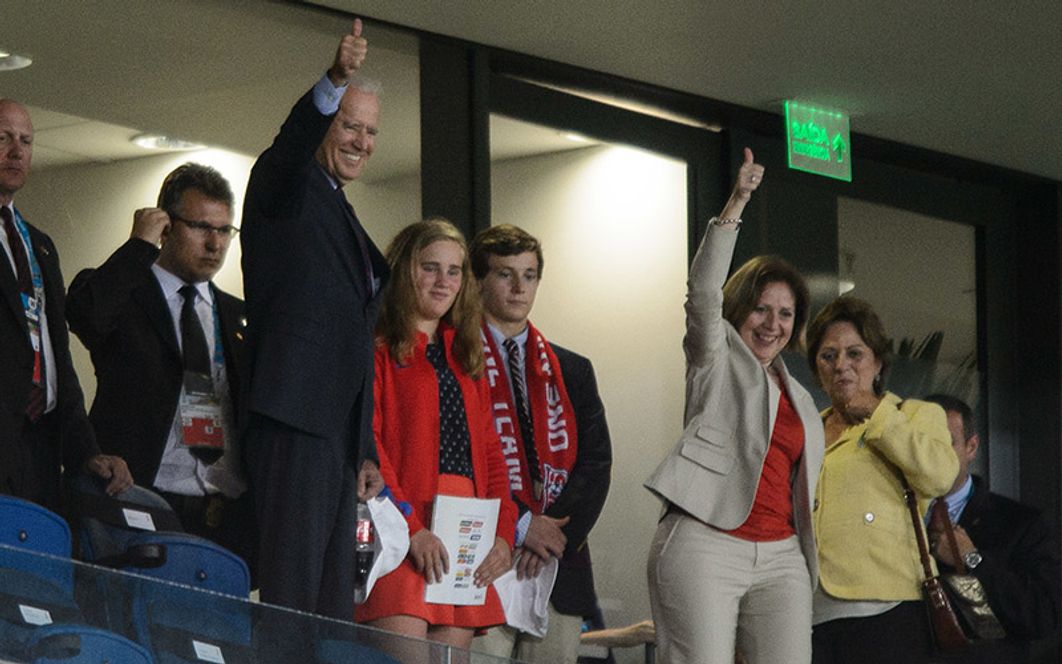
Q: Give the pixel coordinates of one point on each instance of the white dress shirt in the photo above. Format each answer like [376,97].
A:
[179,471]
[50,375]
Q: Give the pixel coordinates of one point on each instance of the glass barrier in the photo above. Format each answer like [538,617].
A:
[54,609]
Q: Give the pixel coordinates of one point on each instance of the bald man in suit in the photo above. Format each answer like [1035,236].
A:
[43,426]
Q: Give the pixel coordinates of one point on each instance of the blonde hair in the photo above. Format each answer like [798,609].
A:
[397,327]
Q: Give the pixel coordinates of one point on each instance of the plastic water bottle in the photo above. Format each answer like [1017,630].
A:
[363,551]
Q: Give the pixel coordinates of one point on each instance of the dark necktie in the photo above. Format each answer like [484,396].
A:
[363,242]
[523,408]
[193,341]
[37,394]
[198,376]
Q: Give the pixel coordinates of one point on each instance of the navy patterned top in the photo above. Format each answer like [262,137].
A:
[455,445]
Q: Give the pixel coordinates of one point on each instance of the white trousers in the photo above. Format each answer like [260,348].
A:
[711,592]
[560,645]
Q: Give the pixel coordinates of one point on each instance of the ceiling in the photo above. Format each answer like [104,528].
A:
[975,79]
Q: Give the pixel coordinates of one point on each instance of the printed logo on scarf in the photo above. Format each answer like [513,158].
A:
[553,481]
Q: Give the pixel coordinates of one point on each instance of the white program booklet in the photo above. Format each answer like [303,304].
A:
[466,527]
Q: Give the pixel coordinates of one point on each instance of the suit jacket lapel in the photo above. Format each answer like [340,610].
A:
[359,231]
[230,320]
[151,298]
[48,262]
[376,259]
[9,286]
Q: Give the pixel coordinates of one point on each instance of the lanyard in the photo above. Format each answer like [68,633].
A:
[36,305]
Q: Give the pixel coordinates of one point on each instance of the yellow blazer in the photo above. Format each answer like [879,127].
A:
[867,546]
[714,469]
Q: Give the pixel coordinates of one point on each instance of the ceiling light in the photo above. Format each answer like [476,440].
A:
[12,61]
[161,142]
[576,138]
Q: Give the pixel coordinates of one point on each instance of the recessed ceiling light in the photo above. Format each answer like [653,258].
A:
[161,142]
[576,138]
[11,61]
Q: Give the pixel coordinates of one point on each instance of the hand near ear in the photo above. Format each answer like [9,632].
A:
[150,225]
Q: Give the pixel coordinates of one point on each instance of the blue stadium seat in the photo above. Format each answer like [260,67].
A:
[80,644]
[106,525]
[335,651]
[36,573]
[29,526]
[177,621]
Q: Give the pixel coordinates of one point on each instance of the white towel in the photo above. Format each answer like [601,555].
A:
[526,602]
[391,543]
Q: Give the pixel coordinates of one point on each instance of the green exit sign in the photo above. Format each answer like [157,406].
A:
[818,140]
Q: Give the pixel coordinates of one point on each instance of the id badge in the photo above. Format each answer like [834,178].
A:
[201,423]
[33,312]
[33,326]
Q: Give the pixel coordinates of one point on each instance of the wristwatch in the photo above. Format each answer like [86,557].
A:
[972,559]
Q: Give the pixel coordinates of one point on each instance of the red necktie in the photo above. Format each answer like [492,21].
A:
[37,395]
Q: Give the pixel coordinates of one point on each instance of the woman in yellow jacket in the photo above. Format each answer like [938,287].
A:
[868,607]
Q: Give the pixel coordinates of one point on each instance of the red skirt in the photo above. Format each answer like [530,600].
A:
[401,592]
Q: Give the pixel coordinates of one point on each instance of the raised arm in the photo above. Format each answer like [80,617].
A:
[275,178]
[704,298]
[97,298]
[913,435]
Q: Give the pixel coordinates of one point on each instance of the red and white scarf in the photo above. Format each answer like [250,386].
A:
[553,419]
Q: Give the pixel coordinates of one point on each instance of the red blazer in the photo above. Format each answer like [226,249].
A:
[406,424]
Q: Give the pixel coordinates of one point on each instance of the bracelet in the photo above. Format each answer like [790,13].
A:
[716,221]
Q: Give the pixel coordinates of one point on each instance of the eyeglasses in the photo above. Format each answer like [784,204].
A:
[204,228]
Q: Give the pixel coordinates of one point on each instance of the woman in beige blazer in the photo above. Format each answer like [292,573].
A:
[733,560]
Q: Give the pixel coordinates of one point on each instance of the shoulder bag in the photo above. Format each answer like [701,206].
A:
[964,589]
[948,635]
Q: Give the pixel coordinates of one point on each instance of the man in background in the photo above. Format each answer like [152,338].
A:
[164,341]
[43,426]
[1005,544]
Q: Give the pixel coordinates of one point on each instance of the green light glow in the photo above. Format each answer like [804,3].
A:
[818,140]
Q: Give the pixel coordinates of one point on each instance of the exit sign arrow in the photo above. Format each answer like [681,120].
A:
[818,140]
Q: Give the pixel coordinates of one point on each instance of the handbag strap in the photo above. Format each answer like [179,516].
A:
[941,521]
[919,528]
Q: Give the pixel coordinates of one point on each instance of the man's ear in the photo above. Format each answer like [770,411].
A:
[972,445]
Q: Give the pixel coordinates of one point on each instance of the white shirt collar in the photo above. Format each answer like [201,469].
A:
[171,284]
[957,500]
[499,337]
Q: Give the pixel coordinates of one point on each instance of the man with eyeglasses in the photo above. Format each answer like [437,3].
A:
[165,343]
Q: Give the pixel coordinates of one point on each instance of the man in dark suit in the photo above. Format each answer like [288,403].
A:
[130,313]
[555,438]
[1008,546]
[312,278]
[43,427]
